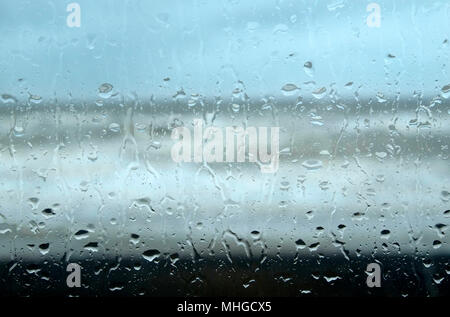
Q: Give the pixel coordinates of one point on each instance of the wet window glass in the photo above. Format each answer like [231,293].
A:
[246,148]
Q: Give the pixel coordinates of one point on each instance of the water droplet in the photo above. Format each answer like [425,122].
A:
[34,202]
[308,68]
[35,99]
[18,131]
[143,203]
[92,246]
[280,28]
[48,212]
[156,145]
[174,258]
[105,90]
[445,91]
[289,89]
[437,244]
[330,279]
[337,4]
[81,234]
[440,228]
[252,26]
[381,98]
[248,283]
[437,279]
[180,94]
[427,263]
[300,244]
[151,255]
[5,98]
[319,93]
[116,287]
[91,39]
[313,247]
[44,248]
[284,185]
[84,185]
[312,164]
[114,127]
[255,234]
[381,155]
[324,185]
[134,238]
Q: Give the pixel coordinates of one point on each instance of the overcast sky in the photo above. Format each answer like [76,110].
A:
[206,47]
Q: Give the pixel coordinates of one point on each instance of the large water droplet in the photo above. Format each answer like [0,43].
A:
[289,89]
[105,90]
[300,244]
[35,99]
[81,234]
[151,255]
[319,93]
[445,91]
[44,248]
[308,68]
[5,98]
